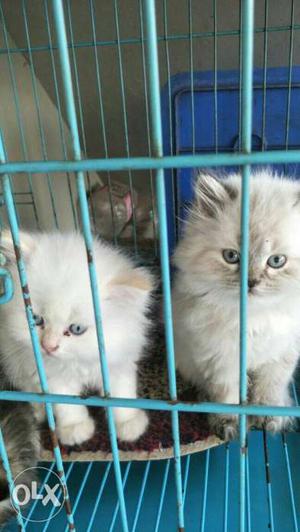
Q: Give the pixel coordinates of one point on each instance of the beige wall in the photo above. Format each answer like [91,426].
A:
[129,23]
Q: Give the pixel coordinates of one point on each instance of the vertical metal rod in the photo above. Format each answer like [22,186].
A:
[226,487]
[263,135]
[98,498]
[13,222]
[148,127]
[80,107]
[290,481]
[247,83]
[268,482]
[216,75]
[125,121]
[162,495]
[38,109]
[40,490]
[240,74]
[72,119]
[70,467]
[102,115]
[141,495]
[18,111]
[205,486]
[157,148]
[190,12]
[186,476]
[82,485]
[125,477]
[76,78]
[248,494]
[291,52]
[175,193]
[59,113]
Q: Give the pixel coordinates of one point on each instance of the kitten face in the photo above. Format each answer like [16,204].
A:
[64,332]
[209,251]
[61,298]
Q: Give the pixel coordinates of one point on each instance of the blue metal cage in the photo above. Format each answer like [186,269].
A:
[275,95]
[239,486]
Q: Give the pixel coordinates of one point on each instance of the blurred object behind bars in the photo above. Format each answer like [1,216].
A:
[109,73]
[107,53]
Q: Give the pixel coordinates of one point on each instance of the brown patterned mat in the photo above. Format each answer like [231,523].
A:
[156,443]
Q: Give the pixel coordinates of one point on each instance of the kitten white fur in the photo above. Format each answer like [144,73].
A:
[206,293]
[60,292]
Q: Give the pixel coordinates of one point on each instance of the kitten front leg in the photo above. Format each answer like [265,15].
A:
[131,423]
[74,425]
[225,426]
[73,422]
[270,386]
[39,412]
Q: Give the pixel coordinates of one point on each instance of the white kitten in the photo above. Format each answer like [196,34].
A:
[61,299]
[206,293]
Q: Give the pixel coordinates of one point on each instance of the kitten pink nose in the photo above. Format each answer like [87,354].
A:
[49,346]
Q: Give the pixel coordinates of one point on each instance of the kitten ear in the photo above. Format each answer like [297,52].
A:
[212,193]
[137,284]
[7,245]
[139,278]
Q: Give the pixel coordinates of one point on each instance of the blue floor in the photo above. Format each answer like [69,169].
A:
[208,476]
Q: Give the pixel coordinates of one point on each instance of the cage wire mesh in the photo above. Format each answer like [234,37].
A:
[84,145]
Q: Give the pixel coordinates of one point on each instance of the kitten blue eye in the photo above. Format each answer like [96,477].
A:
[77,329]
[39,320]
[276,261]
[231,256]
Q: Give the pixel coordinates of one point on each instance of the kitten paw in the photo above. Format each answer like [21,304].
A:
[273,424]
[77,432]
[225,427]
[132,428]
[39,412]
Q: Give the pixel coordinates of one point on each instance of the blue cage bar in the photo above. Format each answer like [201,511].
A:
[72,119]
[157,162]
[13,222]
[157,148]
[247,15]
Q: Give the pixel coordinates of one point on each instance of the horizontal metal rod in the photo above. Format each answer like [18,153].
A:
[137,40]
[148,163]
[152,404]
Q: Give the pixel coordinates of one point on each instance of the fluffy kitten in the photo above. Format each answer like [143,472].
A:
[206,293]
[59,285]
[22,442]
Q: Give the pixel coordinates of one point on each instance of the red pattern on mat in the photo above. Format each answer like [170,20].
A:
[193,427]
[153,382]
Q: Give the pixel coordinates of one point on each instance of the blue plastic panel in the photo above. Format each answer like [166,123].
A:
[281,128]
[100,500]
[228,119]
